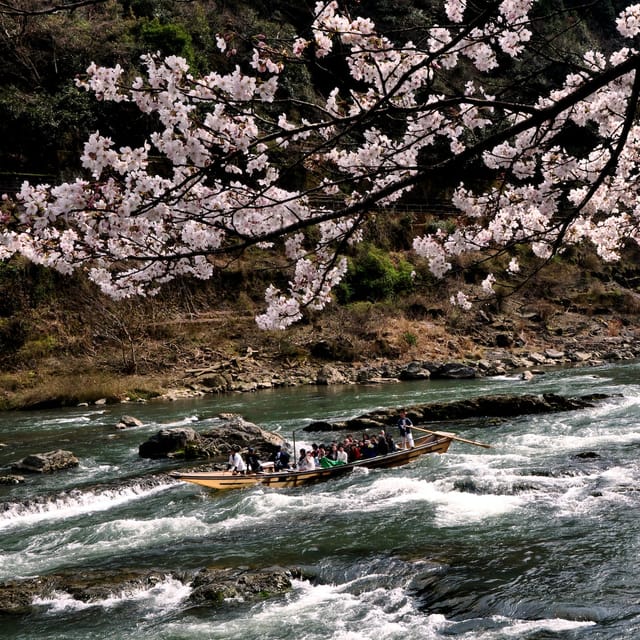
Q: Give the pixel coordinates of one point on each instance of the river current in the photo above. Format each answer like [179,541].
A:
[535,538]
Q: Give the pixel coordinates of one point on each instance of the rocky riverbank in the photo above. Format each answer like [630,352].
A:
[254,371]
[223,351]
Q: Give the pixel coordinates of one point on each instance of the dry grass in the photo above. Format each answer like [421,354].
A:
[33,390]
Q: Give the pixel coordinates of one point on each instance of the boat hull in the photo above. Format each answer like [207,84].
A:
[224,480]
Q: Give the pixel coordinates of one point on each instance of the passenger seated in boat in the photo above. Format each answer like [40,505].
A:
[281,459]
[236,464]
[326,462]
[253,462]
[383,446]
[391,443]
[370,447]
[353,451]
[342,454]
[308,463]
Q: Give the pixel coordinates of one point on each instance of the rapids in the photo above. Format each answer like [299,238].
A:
[535,538]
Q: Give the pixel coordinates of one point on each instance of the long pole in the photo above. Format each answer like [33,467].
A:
[295,455]
[453,437]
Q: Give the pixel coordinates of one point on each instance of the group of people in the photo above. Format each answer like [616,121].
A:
[320,456]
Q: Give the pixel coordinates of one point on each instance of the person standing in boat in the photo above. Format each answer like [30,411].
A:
[404,426]
[236,464]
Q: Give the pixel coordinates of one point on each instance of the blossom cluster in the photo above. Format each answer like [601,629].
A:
[133,224]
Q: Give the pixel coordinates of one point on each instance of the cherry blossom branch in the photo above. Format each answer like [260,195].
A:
[226,150]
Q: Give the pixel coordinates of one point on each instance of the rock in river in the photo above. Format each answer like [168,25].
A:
[46,462]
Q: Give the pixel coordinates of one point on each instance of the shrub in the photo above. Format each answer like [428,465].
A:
[35,349]
[410,338]
[169,39]
[372,276]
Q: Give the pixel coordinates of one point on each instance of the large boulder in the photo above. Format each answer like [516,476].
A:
[330,375]
[46,462]
[415,371]
[496,406]
[215,444]
[168,442]
[454,371]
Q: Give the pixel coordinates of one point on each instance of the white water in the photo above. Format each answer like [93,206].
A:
[523,540]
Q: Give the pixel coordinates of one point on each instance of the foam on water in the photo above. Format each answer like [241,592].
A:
[51,551]
[386,493]
[324,612]
[501,628]
[336,612]
[74,503]
[164,595]
[187,420]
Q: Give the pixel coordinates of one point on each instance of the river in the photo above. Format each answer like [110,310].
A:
[529,539]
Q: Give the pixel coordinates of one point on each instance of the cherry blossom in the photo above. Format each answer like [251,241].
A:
[226,145]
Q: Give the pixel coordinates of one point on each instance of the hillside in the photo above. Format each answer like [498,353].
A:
[63,343]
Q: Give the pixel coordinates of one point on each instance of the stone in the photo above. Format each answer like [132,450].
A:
[127,422]
[496,406]
[46,462]
[210,587]
[215,382]
[454,371]
[504,340]
[415,371]
[330,375]
[215,445]
[168,441]
[216,586]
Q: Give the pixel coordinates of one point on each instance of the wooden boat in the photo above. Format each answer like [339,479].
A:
[434,443]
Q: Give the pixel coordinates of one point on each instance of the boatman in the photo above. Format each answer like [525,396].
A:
[404,426]
[236,464]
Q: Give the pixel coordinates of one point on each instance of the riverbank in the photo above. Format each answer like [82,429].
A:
[169,351]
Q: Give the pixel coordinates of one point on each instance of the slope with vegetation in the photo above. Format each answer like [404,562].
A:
[63,342]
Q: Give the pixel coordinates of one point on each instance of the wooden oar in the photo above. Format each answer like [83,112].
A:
[446,434]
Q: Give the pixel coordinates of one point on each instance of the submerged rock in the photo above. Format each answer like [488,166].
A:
[208,586]
[214,586]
